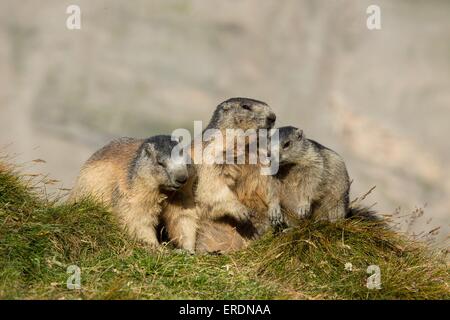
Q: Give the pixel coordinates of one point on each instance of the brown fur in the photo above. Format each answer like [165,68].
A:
[213,192]
[312,180]
[128,176]
[255,191]
[226,193]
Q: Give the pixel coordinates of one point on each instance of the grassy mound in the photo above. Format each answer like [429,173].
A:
[40,238]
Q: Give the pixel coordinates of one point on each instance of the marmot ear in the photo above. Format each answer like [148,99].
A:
[226,106]
[299,134]
[150,151]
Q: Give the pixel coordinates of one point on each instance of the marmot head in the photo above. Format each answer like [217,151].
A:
[242,113]
[155,165]
[292,144]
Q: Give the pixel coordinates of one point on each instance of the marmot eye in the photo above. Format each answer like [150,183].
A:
[161,163]
[246,107]
[286,145]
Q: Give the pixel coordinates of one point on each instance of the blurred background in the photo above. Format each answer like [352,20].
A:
[136,68]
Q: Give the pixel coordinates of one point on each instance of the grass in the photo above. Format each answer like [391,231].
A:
[40,238]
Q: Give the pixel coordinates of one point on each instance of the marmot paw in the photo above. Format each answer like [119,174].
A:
[275,216]
[184,251]
[303,211]
[245,215]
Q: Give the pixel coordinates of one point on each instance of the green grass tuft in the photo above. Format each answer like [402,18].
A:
[40,238]
[311,259]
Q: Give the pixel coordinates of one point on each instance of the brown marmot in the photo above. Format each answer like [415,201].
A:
[235,198]
[213,192]
[136,178]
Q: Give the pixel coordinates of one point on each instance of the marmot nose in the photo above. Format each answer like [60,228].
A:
[181,180]
[271,118]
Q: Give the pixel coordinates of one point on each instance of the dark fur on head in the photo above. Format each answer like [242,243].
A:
[293,144]
[153,160]
[286,133]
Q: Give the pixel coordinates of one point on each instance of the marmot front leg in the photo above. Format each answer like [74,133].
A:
[226,203]
[218,201]
[181,226]
[299,202]
[303,210]
[331,209]
[338,212]
[275,216]
[273,198]
[140,223]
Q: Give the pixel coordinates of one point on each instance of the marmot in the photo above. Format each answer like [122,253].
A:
[235,198]
[136,178]
[213,192]
[313,179]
